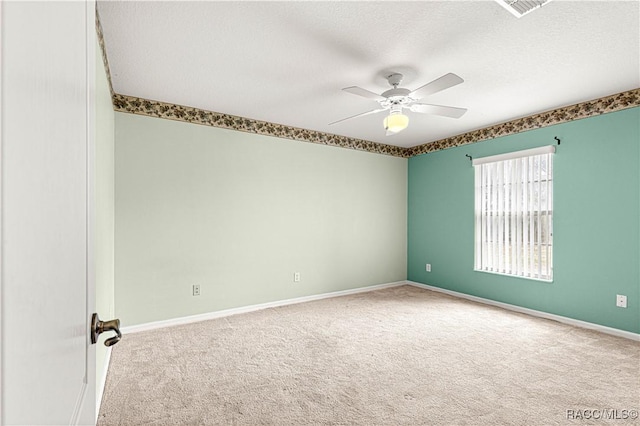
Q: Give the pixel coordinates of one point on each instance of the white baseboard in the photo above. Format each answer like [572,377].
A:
[244,309]
[533,312]
[103,382]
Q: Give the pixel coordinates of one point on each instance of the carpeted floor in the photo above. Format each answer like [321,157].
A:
[399,356]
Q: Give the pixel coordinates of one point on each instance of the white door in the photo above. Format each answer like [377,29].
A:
[48,365]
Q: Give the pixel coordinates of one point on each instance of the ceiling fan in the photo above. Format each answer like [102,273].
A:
[396,99]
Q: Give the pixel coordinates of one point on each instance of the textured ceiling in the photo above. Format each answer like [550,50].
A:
[286,62]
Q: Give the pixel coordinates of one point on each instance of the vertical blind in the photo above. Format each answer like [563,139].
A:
[514,213]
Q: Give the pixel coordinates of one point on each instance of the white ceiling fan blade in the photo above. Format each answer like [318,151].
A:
[445,111]
[364,93]
[444,82]
[359,115]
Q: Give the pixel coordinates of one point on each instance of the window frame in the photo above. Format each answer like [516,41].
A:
[513,214]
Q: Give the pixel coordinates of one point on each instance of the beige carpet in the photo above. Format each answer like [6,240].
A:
[399,356]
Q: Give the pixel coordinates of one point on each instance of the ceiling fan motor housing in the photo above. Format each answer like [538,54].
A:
[396,96]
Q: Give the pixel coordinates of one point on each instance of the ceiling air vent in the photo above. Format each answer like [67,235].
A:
[521,7]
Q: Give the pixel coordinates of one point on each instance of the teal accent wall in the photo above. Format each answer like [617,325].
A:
[596,221]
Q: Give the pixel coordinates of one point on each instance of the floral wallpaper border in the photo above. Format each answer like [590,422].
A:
[587,109]
[133,105]
[103,51]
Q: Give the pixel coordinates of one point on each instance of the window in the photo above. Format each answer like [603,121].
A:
[514,213]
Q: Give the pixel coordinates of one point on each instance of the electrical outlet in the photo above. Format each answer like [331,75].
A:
[196,289]
[621,301]
[428,267]
[296,277]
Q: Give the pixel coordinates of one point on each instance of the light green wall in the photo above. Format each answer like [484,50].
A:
[105,209]
[596,221]
[239,213]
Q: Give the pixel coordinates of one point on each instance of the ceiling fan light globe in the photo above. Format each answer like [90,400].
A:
[396,122]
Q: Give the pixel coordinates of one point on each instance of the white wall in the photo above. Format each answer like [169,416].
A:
[239,213]
[105,211]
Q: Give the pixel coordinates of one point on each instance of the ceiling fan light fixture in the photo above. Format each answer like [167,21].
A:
[395,122]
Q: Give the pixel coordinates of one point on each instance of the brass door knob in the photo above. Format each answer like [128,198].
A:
[98,327]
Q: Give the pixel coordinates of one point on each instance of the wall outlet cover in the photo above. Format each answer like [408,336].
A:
[621,301]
